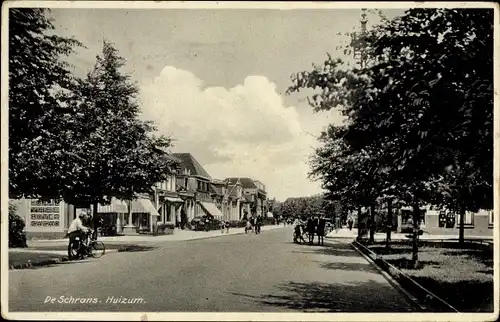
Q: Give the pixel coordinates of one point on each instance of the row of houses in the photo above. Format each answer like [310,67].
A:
[189,192]
[435,221]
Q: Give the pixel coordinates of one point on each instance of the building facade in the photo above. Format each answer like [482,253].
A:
[254,196]
[195,189]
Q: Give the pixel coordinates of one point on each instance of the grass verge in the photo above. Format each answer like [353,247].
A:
[463,277]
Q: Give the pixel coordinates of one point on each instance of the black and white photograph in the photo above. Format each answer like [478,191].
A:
[255,161]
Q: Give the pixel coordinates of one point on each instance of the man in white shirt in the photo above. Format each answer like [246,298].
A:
[77,229]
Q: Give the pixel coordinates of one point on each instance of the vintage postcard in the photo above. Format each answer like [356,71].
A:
[256,161]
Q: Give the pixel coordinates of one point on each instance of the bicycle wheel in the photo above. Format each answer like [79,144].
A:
[97,249]
[72,251]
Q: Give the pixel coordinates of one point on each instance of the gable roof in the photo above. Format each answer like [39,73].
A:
[187,161]
[217,189]
[246,183]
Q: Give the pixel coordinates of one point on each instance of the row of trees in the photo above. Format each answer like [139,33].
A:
[303,207]
[419,115]
[70,138]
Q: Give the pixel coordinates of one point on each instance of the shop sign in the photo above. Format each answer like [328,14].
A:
[44,214]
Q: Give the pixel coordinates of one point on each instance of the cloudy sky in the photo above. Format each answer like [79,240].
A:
[214,80]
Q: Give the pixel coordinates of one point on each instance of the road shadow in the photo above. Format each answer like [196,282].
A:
[367,296]
[382,250]
[329,249]
[135,248]
[343,266]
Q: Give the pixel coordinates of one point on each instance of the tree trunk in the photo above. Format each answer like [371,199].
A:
[389,223]
[461,232]
[416,221]
[94,218]
[372,223]
[359,221]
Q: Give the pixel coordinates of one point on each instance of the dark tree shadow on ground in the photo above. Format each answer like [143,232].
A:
[332,249]
[135,248]
[369,296]
[381,250]
[365,267]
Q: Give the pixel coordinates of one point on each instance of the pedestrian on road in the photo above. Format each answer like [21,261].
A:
[321,230]
[311,227]
[227,226]
[298,231]
[248,226]
[222,226]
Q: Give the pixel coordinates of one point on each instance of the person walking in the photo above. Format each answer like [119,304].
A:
[227,226]
[321,230]
[311,227]
[350,222]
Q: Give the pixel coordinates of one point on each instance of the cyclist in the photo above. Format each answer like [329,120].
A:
[77,229]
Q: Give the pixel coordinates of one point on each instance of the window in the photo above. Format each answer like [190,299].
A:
[442,219]
[490,219]
[469,219]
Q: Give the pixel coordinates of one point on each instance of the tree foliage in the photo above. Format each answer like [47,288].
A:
[38,146]
[76,139]
[301,207]
[115,152]
[420,114]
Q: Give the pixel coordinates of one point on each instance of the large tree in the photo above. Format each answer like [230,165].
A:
[38,122]
[116,152]
[422,108]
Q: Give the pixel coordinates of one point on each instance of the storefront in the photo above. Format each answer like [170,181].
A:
[44,220]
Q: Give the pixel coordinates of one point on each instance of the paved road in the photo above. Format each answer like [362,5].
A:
[241,273]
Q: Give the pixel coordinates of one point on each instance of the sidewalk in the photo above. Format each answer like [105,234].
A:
[346,233]
[179,235]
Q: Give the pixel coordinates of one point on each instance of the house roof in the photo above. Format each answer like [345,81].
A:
[217,189]
[246,183]
[189,162]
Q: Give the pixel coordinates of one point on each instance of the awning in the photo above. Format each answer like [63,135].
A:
[141,205]
[172,199]
[116,206]
[148,206]
[211,209]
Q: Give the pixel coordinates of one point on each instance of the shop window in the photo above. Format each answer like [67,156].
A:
[442,219]
[450,220]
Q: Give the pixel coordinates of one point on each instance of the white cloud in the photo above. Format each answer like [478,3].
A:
[242,131]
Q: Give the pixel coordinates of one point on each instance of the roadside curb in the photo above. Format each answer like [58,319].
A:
[48,262]
[53,261]
[410,298]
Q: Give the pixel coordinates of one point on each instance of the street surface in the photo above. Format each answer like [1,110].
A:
[238,273]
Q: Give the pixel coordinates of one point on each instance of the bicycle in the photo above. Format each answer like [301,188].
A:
[88,247]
